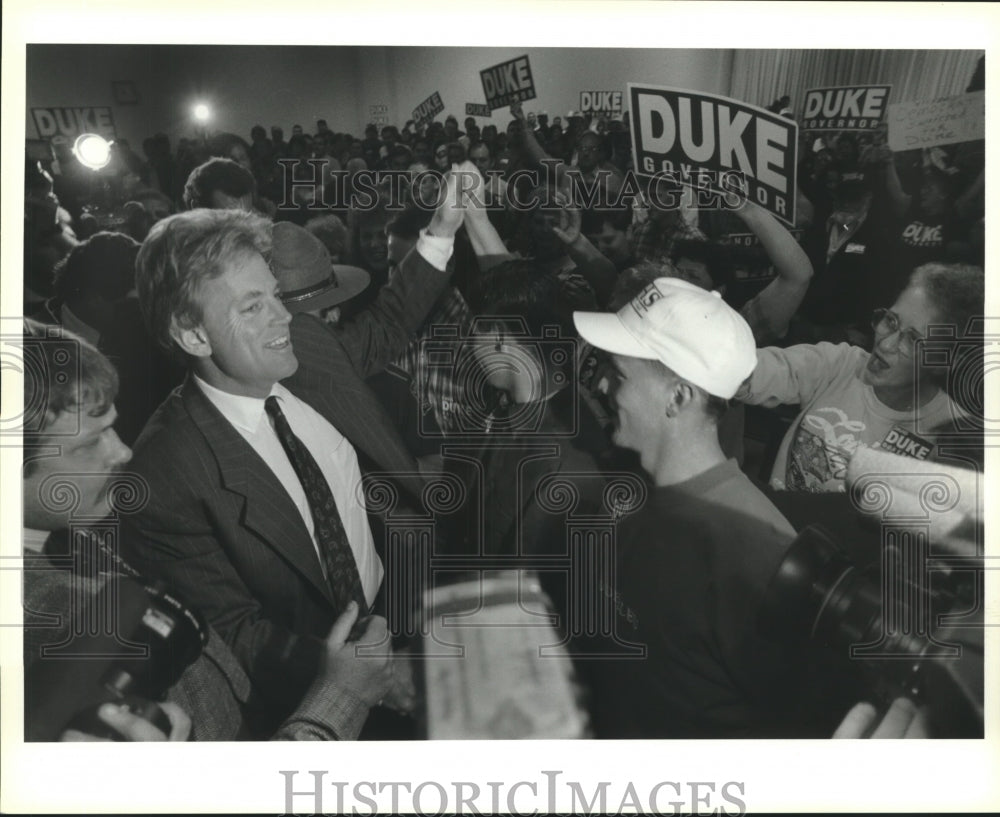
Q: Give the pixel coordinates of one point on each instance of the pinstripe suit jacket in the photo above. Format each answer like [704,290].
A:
[224,532]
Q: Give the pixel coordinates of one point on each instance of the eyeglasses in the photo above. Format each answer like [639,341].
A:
[885,322]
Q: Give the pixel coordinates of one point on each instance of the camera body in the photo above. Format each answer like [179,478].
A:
[923,641]
[132,659]
[476,363]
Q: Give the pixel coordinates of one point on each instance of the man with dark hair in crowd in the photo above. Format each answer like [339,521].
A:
[399,386]
[93,285]
[273,406]
[278,142]
[89,283]
[593,171]
[526,397]
[851,253]
[219,184]
[71,390]
[262,153]
[607,230]
[693,563]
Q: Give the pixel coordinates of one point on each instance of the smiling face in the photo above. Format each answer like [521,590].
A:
[892,364]
[612,243]
[589,152]
[90,453]
[243,346]
[638,396]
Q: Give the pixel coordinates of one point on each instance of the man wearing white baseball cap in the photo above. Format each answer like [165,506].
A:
[693,563]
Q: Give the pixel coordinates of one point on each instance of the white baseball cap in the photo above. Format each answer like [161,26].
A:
[690,330]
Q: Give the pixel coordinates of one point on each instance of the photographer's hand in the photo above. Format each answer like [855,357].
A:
[902,720]
[135,728]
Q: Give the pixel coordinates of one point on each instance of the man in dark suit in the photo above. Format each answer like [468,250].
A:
[268,540]
[73,472]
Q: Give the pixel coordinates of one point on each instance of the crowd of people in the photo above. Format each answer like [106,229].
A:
[259,326]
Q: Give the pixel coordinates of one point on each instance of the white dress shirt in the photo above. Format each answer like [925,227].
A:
[336,458]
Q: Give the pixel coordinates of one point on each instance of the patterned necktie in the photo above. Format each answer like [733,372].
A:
[338,559]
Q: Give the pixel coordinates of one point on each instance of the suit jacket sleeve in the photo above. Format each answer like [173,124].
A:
[173,538]
[378,335]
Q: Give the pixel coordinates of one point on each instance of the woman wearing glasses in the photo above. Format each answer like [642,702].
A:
[891,398]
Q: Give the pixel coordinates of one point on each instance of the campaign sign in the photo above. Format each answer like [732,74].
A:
[378,114]
[477,109]
[508,82]
[703,139]
[600,101]
[928,123]
[428,109]
[71,122]
[846,107]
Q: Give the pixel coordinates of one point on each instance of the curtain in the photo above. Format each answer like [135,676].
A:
[760,77]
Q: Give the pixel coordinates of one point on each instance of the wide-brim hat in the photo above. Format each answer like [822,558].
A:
[308,279]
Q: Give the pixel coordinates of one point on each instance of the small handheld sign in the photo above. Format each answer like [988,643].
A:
[848,107]
[428,109]
[507,83]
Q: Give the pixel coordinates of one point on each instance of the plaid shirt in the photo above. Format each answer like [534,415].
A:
[435,387]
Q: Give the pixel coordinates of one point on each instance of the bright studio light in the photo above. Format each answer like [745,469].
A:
[93,151]
[201,112]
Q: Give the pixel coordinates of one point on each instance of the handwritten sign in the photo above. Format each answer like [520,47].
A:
[736,147]
[848,107]
[477,109]
[71,122]
[508,82]
[428,109]
[601,101]
[925,124]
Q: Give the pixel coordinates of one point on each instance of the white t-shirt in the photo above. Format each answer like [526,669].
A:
[839,413]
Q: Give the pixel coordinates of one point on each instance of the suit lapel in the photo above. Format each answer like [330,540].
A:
[268,510]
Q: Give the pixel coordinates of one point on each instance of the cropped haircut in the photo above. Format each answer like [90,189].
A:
[183,251]
[957,291]
[222,143]
[224,175]
[408,223]
[519,288]
[715,406]
[103,265]
[62,372]
[716,258]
